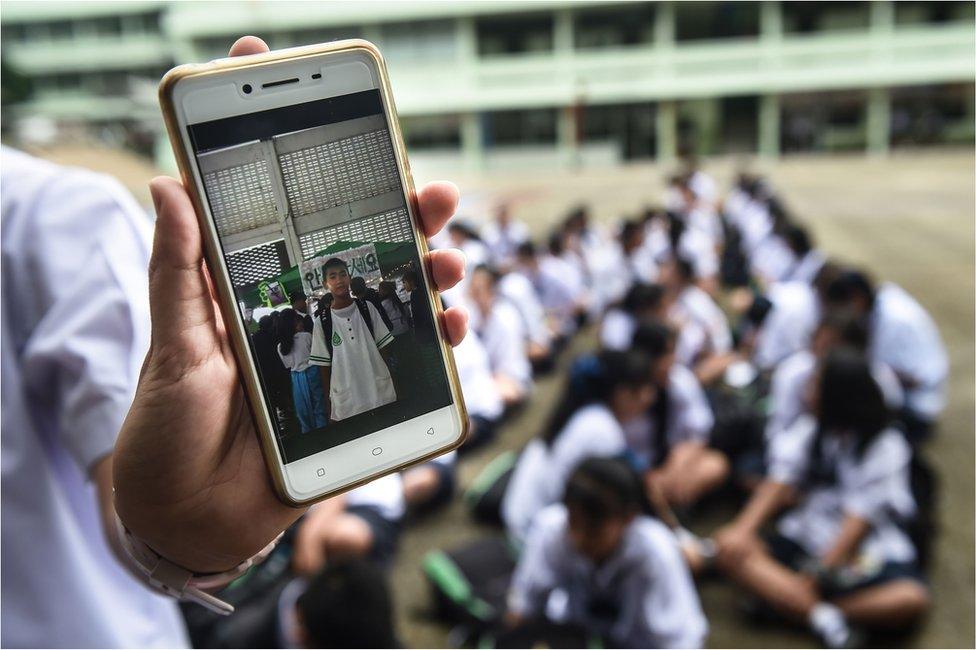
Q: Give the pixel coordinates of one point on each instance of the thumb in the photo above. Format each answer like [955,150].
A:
[180,302]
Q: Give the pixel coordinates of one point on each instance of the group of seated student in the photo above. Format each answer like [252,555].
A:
[688,302]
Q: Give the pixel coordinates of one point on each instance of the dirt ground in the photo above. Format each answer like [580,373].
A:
[908,218]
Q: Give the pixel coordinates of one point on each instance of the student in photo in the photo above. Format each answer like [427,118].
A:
[299,302]
[294,349]
[842,556]
[595,560]
[604,393]
[360,291]
[277,376]
[423,324]
[363,523]
[347,346]
[904,336]
[399,314]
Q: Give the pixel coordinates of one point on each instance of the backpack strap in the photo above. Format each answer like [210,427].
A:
[326,319]
[364,311]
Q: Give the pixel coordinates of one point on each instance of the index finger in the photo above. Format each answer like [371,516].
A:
[248,45]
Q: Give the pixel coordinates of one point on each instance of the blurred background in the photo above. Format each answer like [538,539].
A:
[860,114]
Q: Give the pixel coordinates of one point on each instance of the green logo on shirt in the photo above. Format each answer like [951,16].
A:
[336,340]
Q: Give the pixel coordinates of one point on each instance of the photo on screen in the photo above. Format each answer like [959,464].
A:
[313,224]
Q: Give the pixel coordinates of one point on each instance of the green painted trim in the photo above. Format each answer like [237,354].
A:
[442,571]
[487,477]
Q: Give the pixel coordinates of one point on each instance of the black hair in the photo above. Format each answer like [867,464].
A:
[848,285]
[493,274]
[525,249]
[333,262]
[798,240]
[266,324]
[850,398]
[557,243]
[298,296]
[357,280]
[654,339]
[676,230]
[829,272]
[602,489]
[412,277]
[593,379]
[685,269]
[629,228]
[759,310]
[285,329]
[348,605]
[465,229]
[852,328]
[642,296]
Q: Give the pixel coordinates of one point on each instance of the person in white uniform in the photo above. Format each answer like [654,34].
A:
[503,235]
[781,321]
[594,560]
[75,332]
[603,393]
[843,555]
[903,336]
[355,374]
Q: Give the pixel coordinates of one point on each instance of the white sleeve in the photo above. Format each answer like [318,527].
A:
[381,333]
[880,477]
[692,419]
[788,454]
[320,355]
[83,258]
[535,576]
[671,609]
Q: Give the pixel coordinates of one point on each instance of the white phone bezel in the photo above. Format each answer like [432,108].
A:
[213,96]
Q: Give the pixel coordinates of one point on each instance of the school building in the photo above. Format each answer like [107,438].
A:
[524,84]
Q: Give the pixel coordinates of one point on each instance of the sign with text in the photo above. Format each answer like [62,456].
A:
[362,261]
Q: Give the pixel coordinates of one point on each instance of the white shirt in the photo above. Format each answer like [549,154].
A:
[385,494]
[75,332]
[906,338]
[874,487]
[694,304]
[398,317]
[503,240]
[646,577]
[360,379]
[789,324]
[807,267]
[520,293]
[481,396]
[297,359]
[617,330]
[772,260]
[790,389]
[556,294]
[689,418]
[503,335]
[541,471]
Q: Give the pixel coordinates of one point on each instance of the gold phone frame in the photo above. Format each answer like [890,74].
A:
[221,278]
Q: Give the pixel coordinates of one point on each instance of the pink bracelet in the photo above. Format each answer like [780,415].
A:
[180,583]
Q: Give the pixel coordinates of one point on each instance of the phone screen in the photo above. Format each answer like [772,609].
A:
[315,232]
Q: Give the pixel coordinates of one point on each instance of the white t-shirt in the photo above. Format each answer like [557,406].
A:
[617,330]
[520,293]
[806,268]
[75,323]
[874,486]
[360,379]
[905,337]
[789,324]
[542,470]
[646,576]
[503,335]
[772,259]
[297,359]
[696,305]
[398,316]
[385,494]
[503,240]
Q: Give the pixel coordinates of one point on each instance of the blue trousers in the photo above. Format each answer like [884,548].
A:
[307,392]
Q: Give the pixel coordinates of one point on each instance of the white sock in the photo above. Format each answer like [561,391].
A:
[828,621]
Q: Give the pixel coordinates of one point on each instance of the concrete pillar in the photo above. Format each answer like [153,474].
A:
[882,16]
[878,122]
[771,20]
[562,32]
[664,25]
[567,136]
[666,129]
[472,141]
[769,126]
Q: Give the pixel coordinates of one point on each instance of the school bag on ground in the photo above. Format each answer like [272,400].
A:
[484,497]
[470,583]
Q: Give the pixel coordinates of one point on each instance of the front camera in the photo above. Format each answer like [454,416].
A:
[246,88]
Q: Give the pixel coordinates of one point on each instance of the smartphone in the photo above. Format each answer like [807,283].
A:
[296,166]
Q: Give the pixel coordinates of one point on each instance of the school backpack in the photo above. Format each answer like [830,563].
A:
[484,497]
[326,319]
[470,583]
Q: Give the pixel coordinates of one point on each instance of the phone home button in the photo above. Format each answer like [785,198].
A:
[377,451]
[320,471]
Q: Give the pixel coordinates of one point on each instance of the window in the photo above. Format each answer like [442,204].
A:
[806,17]
[912,12]
[614,26]
[431,131]
[715,20]
[536,126]
[520,34]
[430,40]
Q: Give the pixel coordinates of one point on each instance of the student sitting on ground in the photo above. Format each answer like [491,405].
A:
[642,304]
[905,337]
[603,395]
[499,326]
[347,345]
[808,260]
[594,560]
[556,294]
[671,439]
[294,350]
[503,235]
[362,523]
[842,556]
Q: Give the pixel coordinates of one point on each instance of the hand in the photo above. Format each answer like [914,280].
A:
[734,543]
[189,475]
